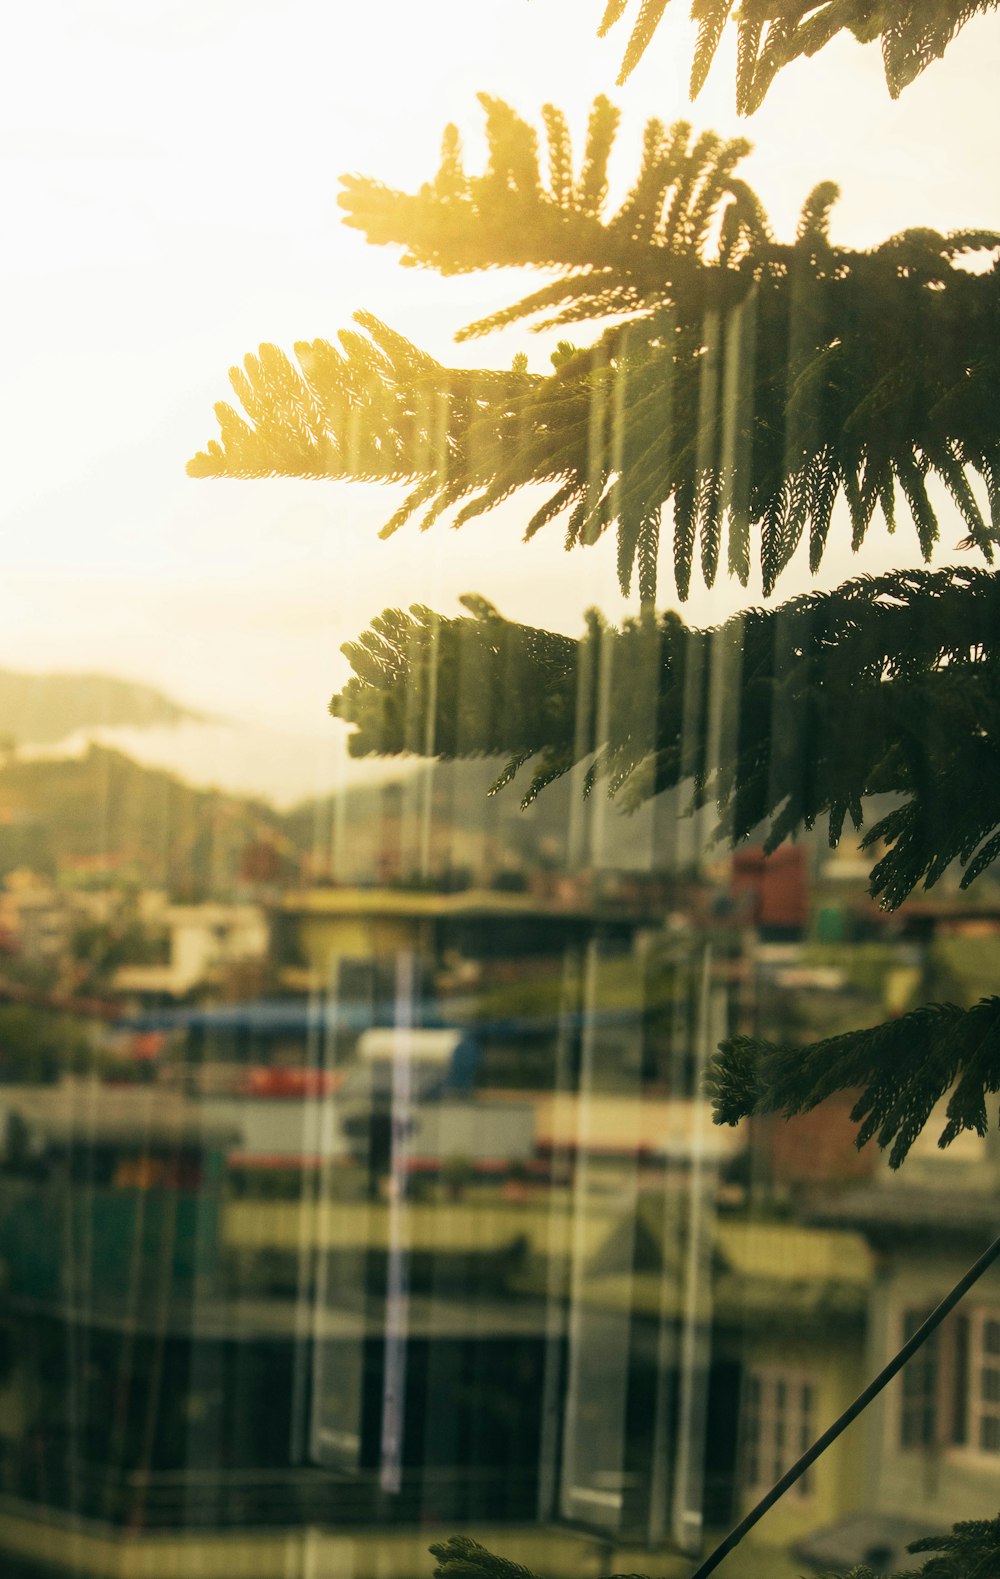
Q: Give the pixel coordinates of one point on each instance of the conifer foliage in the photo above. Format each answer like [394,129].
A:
[773,33]
[888,686]
[902,1069]
[742,386]
[460,1557]
[971,1551]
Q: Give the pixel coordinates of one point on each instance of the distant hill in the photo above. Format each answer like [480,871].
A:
[102,809]
[40,709]
[103,812]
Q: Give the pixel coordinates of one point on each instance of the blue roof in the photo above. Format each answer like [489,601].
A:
[277,1016]
[291,1016]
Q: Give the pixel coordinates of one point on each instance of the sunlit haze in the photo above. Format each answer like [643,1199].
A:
[169,189]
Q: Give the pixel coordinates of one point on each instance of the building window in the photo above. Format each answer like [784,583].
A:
[921,1385]
[984,1391]
[950,1394]
[778,1426]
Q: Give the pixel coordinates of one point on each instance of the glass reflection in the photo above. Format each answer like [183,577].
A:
[359,1184]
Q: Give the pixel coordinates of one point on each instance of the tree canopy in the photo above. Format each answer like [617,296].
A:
[773,33]
[887,686]
[742,386]
[781,718]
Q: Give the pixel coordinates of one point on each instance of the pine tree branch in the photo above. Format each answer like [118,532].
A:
[888,686]
[746,387]
[902,1069]
[771,34]
[509,217]
[460,1557]
[971,1551]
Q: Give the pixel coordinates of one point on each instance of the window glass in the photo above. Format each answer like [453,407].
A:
[920,1387]
[778,1425]
[986,1385]
[499,914]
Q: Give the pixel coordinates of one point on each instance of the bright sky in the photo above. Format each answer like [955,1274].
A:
[169,175]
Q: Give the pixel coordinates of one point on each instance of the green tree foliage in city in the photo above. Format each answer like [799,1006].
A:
[98,949]
[902,1070]
[781,718]
[741,388]
[38,1046]
[772,33]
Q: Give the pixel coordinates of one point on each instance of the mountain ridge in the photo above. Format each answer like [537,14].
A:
[43,708]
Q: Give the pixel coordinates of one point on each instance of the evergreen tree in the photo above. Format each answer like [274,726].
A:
[972,1551]
[773,33]
[736,386]
[742,385]
[887,686]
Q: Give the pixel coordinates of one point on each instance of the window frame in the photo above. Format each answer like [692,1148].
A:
[759,1417]
[949,1365]
[983,1361]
